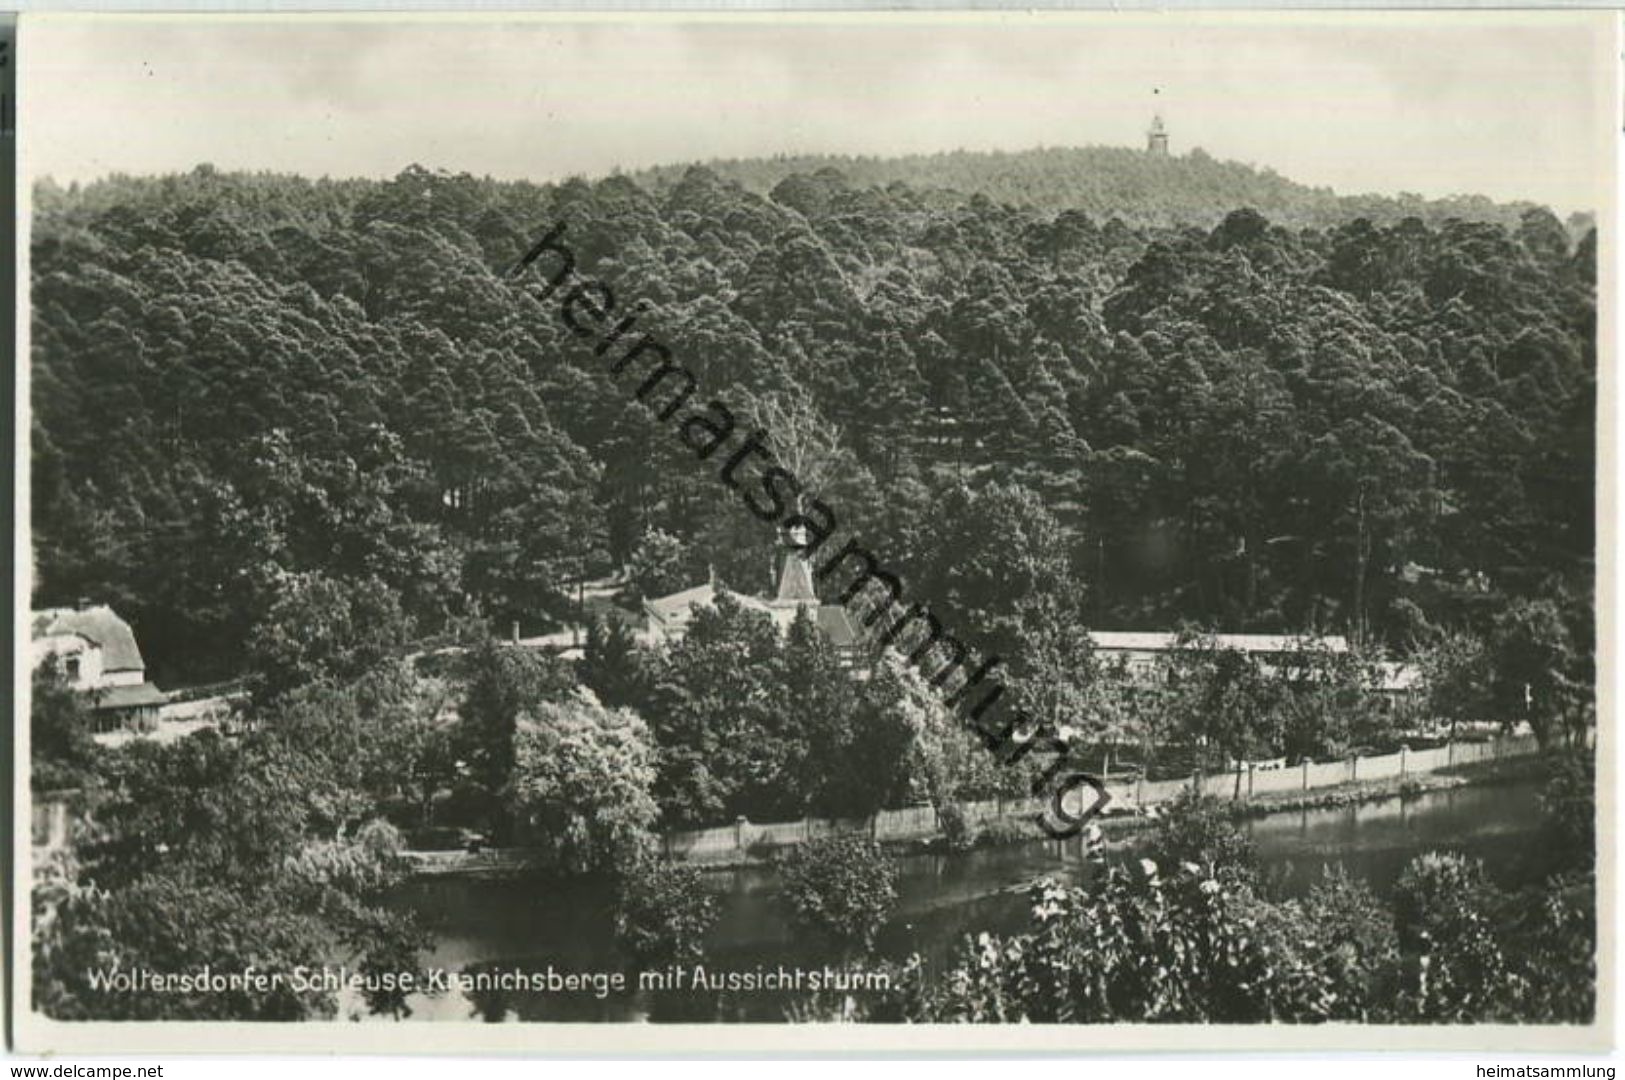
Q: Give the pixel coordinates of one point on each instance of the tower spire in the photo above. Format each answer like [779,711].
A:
[1156,139]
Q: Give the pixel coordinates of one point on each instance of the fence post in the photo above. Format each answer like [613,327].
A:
[739,833]
[1449,752]
[1249,779]
[1139,791]
[1305,768]
[1403,750]
[1354,767]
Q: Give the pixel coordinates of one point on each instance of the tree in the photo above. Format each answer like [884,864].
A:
[1569,803]
[732,741]
[871,770]
[61,752]
[225,853]
[612,665]
[800,439]
[842,888]
[338,380]
[659,565]
[663,912]
[501,683]
[1457,678]
[385,740]
[997,546]
[163,924]
[1059,682]
[1532,658]
[1324,702]
[1555,939]
[320,628]
[830,714]
[582,782]
[1224,698]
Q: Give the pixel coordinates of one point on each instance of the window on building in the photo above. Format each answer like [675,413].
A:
[70,667]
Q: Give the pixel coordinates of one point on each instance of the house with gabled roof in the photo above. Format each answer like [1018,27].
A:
[666,618]
[96,652]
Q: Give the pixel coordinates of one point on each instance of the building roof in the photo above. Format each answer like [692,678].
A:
[795,590]
[836,625]
[98,624]
[1164,641]
[795,583]
[1400,677]
[677,605]
[129,697]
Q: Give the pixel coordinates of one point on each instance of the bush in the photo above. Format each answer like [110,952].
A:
[841,888]
[957,828]
[1443,907]
[1142,945]
[1205,832]
[1556,939]
[662,913]
[1569,800]
[1008,830]
[1359,951]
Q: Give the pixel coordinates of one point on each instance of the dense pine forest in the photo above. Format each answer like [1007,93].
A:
[302,431]
[1109,181]
[255,392]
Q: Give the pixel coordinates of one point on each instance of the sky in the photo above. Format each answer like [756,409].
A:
[1505,105]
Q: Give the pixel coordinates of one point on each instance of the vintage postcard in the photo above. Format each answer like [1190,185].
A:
[807,532]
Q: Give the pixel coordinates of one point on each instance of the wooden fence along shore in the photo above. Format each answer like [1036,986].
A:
[729,843]
[744,840]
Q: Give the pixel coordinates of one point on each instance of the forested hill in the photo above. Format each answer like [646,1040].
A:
[270,411]
[1103,181]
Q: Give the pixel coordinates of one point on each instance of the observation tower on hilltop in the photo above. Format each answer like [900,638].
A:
[1156,139]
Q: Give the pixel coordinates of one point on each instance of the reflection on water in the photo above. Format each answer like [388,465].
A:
[531,925]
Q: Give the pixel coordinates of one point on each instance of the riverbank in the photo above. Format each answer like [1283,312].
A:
[1017,827]
[1118,828]
[1404,787]
[942,897]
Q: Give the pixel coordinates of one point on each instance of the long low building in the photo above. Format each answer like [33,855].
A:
[1141,650]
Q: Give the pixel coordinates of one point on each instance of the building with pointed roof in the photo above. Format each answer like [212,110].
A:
[96,652]
[667,617]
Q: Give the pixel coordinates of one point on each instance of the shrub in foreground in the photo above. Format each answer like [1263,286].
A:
[841,888]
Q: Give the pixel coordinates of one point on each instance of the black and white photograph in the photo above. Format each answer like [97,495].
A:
[680,531]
